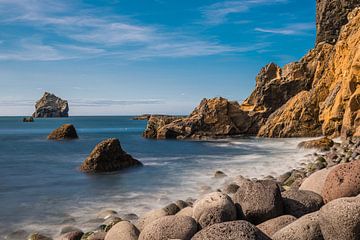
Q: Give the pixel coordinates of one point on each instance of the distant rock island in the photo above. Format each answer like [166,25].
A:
[318,95]
[51,106]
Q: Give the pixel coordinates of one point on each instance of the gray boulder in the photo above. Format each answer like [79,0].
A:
[301,202]
[169,227]
[231,230]
[270,227]
[259,200]
[123,230]
[214,208]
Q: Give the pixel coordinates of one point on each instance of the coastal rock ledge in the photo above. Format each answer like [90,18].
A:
[51,106]
[108,156]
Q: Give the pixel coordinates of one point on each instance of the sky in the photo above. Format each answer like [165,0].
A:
[128,57]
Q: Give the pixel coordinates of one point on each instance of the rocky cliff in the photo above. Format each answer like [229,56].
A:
[51,106]
[318,95]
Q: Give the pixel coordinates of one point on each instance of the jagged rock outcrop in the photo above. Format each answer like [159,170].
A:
[155,122]
[108,156]
[51,106]
[212,118]
[331,15]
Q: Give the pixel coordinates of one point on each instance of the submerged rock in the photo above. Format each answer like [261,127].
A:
[28,119]
[66,131]
[51,106]
[108,156]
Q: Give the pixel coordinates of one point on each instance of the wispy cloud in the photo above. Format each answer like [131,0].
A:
[218,13]
[66,31]
[291,29]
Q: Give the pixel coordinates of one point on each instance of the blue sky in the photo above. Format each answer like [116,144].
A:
[121,57]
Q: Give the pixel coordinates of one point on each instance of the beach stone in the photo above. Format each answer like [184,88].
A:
[130,216]
[342,181]
[213,208]
[301,202]
[188,211]
[108,156]
[305,228]
[28,119]
[170,227]
[219,174]
[324,143]
[97,235]
[181,204]
[270,227]
[340,219]
[259,200]
[295,178]
[171,209]
[38,236]
[231,230]
[315,182]
[74,235]
[123,230]
[110,222]
[66,131]
[231,188]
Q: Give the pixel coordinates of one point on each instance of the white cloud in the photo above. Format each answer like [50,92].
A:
[88,33]
[217,13]
[291,29]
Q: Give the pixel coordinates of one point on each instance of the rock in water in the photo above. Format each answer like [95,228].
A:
[155,122]
[108,156]
[51,106]
[66,131]
[322,144]
[28,119]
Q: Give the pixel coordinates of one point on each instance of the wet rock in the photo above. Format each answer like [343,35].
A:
[170,227]
[130,216]
[110,222]
[300,202]
[259,200]
[67,229]
[219,174]
[231,188]
[123,231]
[340,219]
[305,228]
[51,106]
[66,131]
[342,181]
[315,182]
[295,179]
[108,156]
[270,227]
[181,204]
[171,209]
[321,144]
[74,235]
[28,119]
[214,208]
[97,235]
[38,236]
[231,230]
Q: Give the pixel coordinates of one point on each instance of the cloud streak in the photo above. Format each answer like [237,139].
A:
[218,13]
[291,29]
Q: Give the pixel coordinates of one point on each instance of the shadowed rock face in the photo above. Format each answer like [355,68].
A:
[108,156]
[331,15]
[51,106]
[155,122]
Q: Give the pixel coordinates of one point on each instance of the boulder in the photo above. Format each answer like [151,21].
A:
[66,131]
[259,200]
[270,227]
[340,219]
[74,235]
[96,235]
[123,230]
[28,119]
[170,227]
[300,202]
[155,214]
[108,156]
[188,211]
[231,230]
[51,106]
[305,228]
[38,236]
[342,181]
[155,122]
[316,181]
[214,208]
[322,144]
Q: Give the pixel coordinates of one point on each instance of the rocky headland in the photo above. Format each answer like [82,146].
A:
[318,95]
[50,106]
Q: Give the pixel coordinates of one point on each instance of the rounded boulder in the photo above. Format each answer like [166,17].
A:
[170,227]
[66,131]
[214,208]
[300,202]
[270,227]
[316,181]
[123,230]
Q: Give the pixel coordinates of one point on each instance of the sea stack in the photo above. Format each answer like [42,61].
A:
[51,106]
[108,156]
[66,131]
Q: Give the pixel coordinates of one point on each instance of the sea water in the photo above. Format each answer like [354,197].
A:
[41,188]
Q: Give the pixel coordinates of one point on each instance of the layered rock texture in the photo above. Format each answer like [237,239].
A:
[318,95]
[108,156]
[51,106]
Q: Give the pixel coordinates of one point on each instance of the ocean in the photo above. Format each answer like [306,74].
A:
[42,190]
